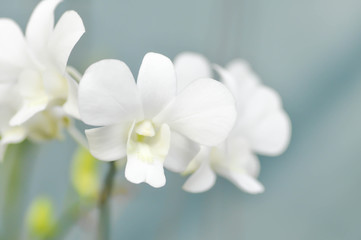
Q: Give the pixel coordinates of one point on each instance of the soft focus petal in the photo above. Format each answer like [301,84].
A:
[13,135]
[263,122]
[246,183]
[189,67]
[108,143]
[241,70]
[55,85]
[10,102]
[242,85]
[12,49]
[240,156]
[46,125]
[108,94]
[71,104]
[66,34]
[41,24]
[28,110]
[31,88]
[264,101]
[156,82]
[181,152]
[272,134]
[204,112]
[201,180]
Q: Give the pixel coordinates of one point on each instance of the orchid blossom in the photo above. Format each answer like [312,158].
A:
[262,127]
[41,95]
[151,122]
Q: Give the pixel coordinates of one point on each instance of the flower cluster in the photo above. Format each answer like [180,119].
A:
[174,116]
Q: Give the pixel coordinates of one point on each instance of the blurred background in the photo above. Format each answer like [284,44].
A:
[309,51]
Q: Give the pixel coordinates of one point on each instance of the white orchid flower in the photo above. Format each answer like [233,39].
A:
[262,127]
[37,61]
[149,121]
[44,125]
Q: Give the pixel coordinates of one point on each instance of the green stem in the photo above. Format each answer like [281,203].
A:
[19,158]
[103,204]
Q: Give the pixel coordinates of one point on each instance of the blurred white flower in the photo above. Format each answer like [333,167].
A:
[44,125]
[262,127]
[149,121]
[37,93]
[36,62]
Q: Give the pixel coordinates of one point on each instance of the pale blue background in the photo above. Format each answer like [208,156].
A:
[309,51]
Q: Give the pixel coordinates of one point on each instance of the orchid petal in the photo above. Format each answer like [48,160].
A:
[272,134]
[204,112]
[156,82]
[241,70]
[201,180]
[108,143]
[190,67]
[263,101]
[242,85]
[67,33]
[12,49]
[108,94]
[138,171]
[239,156]
[13,135]
[45,125]
[181,152]
[31,88]
[41,24]
[28,110]
[146,157]
[246,183]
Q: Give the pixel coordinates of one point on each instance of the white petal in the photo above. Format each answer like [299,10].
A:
[155,175]
[241,85]
[246,182]
[66,34]
[189,67]
[156,82]
[108,143]
[71,104]
[138,171]
[55,85]
[28,110]
[204,112]
[41,24]
[181,152]
[201,180]
[10,102]
[264,101]
[135,169]
[45,125]
[241,70]
[272,134]
[13,135]
[108,94]
[12,49]
[32,90]
[240,157]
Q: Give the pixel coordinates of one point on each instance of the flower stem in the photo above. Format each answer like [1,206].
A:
[20,160]
[103,204]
